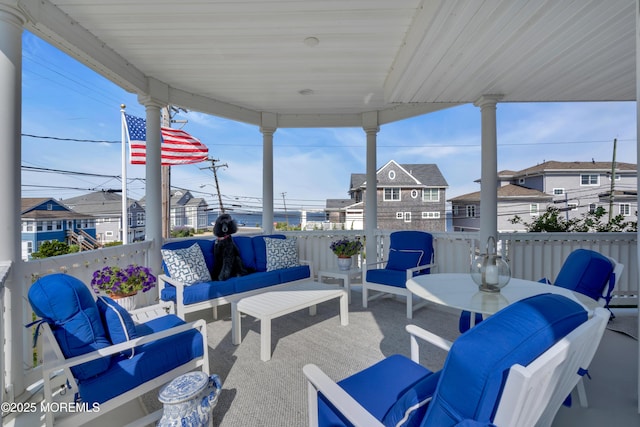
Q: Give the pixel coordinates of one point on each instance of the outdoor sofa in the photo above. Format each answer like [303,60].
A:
[272,260]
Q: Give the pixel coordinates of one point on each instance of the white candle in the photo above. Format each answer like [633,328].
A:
[491,274]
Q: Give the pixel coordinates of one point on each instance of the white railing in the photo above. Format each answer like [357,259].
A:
[530,255]
[5,267]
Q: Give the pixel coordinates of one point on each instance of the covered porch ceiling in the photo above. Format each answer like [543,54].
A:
[324,63]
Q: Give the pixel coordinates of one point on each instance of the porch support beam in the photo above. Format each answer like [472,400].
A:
[268,126]
[371,127]
[11,22]
[489,168]
[153,176]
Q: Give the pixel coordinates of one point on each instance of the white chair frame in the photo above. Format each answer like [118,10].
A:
[55,363]
[531,397]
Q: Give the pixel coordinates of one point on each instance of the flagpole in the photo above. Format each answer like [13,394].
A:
[125,217]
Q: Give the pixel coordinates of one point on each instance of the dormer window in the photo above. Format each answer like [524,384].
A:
[392,174]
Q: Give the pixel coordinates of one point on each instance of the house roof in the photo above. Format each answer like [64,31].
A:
[426,175]
[340,204]
[28,210]
[328,63]
[506,192]
[555,166]
[100,203]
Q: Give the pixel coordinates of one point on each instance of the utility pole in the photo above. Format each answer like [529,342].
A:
[214,168]
[284,202]
[613,179]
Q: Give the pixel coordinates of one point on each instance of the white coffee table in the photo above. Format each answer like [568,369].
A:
[345,275]
[273,304]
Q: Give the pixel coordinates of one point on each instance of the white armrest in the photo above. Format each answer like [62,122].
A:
[410,271]
[343,402]
[430,337]
[117,348]
[374,264]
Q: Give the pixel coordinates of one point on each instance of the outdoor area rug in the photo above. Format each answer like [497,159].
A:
[624,324]
[274,393]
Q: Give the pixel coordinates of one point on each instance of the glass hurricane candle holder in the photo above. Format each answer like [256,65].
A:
[490,272]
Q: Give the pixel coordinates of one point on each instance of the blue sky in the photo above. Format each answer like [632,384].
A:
[63,99]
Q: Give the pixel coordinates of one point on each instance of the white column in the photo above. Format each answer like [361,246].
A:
[11,21]
[153,193]
[489,171]
[371,128]
[638,162]
[268,128]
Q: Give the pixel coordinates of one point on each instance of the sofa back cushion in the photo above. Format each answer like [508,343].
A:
[67,305]
[479,361]
[206,245]
[260,250]
[247,254]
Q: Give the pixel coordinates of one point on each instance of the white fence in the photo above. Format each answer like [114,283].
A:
[5,267]
[530,255]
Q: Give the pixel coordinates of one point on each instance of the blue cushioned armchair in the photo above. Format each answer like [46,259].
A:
[107,359]
[514,369]
[410,254]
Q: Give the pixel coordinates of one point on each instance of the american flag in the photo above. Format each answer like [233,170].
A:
[178,147]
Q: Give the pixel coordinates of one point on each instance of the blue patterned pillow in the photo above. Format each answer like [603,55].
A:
[281,253]
[187,265]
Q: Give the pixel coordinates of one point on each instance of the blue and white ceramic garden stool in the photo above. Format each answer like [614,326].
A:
[189,400]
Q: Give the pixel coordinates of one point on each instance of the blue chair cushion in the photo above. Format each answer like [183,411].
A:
[119,325]
[247,254]
[478,363]
[67,305]
[260,250]
[585,271]
[376,388]
[410,408]
[388,277]
[150,361]
[403,259]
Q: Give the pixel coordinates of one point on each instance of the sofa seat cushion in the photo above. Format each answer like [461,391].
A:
[376,388]
[199,292]
[472,382]
[254,281]
[388,277]
[67,305]
[150,361]
[186,265]
[294,273]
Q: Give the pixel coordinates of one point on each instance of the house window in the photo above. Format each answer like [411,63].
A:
[399,215]
[414,194]
[456,210]
[572,206]
[391,194]
[58,225]
[589,179]
[625,209]
[471,211]
[407,217]
[39,225]
[49,207]
[558,191]
[592,207]
[534,209]
[108,233]
[430,195]
[521,180]
[430,215]
[392,174]
[49,225]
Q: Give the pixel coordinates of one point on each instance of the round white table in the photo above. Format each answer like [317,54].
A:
[458,290]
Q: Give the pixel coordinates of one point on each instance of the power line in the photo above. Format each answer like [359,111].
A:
[101,141]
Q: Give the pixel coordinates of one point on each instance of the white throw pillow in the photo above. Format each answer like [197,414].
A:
[281,253]
[187,265]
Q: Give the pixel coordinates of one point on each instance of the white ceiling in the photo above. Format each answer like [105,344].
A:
[240,58]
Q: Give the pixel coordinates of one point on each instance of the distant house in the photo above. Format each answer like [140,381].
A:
[106,207]
[573,187]
[45,219]
[410,196]
[188,211]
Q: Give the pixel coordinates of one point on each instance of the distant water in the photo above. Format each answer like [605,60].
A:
[255,219]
